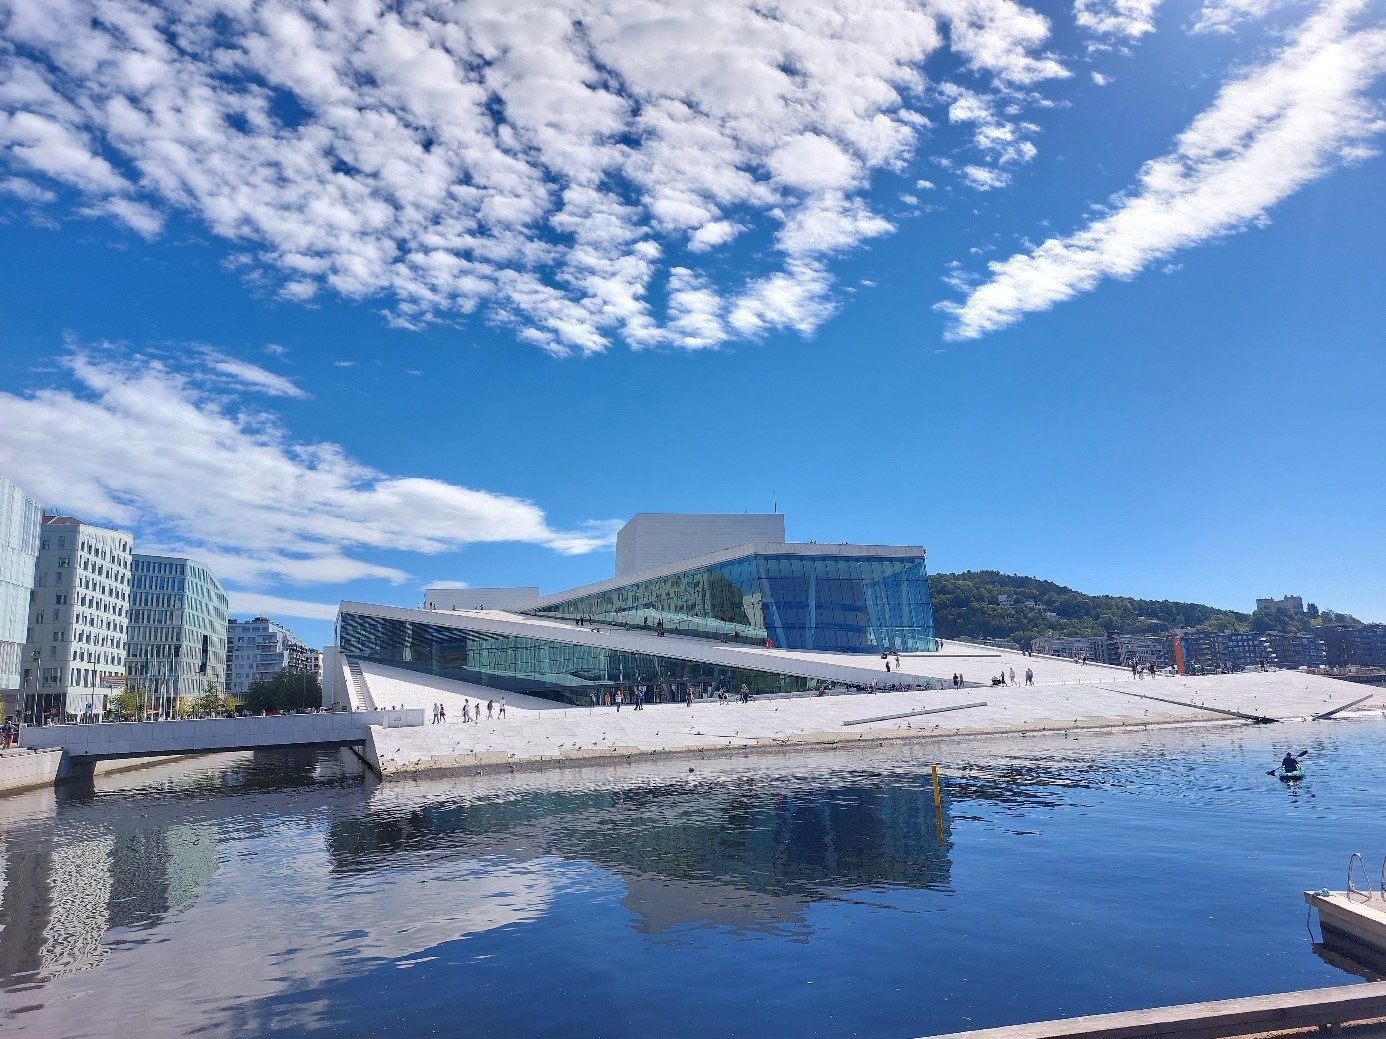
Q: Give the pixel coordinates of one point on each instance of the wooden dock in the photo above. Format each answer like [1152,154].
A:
[1321,1008]
[1353,924]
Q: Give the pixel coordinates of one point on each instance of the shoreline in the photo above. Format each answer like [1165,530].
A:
[492,763]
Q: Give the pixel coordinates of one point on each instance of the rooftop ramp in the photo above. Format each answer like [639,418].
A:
[541,733]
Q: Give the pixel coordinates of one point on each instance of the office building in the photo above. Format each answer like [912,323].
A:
[20,519]
[74,654]
[176,644]
[258,649]
[768,615]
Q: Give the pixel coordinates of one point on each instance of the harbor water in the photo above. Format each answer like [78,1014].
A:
[818,894]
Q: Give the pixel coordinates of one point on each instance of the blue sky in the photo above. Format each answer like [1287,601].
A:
[346,300]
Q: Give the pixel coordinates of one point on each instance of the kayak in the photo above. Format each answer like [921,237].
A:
[1289,777]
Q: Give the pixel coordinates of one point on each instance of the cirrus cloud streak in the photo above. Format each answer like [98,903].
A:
[1269,132]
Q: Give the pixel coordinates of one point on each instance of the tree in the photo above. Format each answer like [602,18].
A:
[212,702]
[1312,610]
[285,691]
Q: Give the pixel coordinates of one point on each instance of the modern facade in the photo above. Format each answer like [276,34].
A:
[838,599]
[258,649]
[680,627]
[20,520]
[176,644]
[74,654]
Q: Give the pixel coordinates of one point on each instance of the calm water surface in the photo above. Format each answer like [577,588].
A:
[806,896]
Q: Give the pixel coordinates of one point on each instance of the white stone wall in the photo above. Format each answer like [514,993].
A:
[653,539]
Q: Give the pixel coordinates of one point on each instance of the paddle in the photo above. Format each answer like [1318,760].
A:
[1301,754]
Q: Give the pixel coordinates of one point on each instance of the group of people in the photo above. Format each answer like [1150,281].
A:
[637,696]
[1006,677]
[470,712]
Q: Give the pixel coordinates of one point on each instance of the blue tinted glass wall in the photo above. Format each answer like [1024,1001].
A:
[839,604]
[539,667]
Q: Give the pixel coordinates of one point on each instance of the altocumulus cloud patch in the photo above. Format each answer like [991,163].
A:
[578,170]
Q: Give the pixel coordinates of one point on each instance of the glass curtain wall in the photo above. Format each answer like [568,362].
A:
[838,604]
[538,667]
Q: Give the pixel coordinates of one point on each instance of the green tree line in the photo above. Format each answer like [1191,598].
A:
[967,605]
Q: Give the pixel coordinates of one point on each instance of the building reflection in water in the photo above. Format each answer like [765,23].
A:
[741,856]
[59,899]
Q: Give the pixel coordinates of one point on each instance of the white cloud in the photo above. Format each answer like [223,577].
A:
[541,164]
[258,604]
[1269,132]
[253,376]
[1100,79]
[1226,15]
[148,446]
[1129,18]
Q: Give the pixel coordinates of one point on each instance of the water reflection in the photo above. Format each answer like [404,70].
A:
[246,893]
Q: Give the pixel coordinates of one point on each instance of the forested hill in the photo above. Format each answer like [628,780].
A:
[968,605]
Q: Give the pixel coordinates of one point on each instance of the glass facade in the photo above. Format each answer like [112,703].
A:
[176,646]
[540,667]
[837,604]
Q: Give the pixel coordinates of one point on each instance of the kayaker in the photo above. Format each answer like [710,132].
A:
[1289,764]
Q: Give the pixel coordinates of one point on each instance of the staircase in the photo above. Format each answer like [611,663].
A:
[360,692]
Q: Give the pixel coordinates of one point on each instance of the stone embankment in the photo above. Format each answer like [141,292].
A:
[22,768]
[537,734]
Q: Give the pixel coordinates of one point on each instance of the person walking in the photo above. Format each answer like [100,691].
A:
[1029,676]
[591,702]
[442,714]
[466,711]
[501,712]
[435,715]
[490,707]
[619,697]
[1013,676]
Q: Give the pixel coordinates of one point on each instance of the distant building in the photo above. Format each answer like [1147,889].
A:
[177,638]
[1144,650]
[20,519]
[1097,648]
[1290,604]
[1295,650]
[1353,647]
[74,654]
[259,649]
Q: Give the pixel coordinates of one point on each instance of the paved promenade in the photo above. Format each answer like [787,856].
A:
[541,734]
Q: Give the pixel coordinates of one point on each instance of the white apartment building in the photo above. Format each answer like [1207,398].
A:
[177,639]
[20,518]
[74,653]
[259,649]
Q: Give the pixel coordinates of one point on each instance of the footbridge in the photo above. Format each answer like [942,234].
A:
[99,742]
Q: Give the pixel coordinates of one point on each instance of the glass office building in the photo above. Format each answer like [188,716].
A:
[20,519]
[849,603]
[177,634]
[544,667]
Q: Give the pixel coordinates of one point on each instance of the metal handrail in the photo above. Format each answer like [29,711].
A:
[1352,888]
